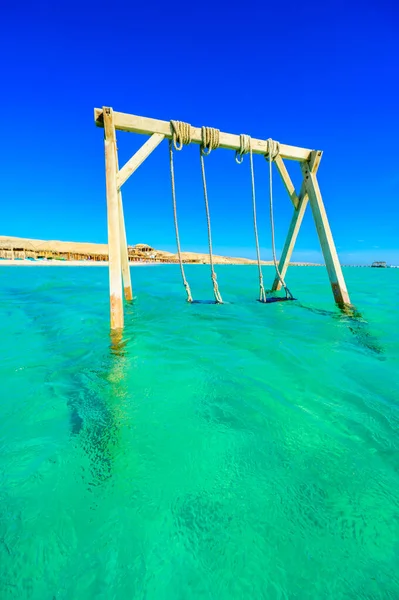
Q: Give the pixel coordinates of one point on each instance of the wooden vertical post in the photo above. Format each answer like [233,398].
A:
[127,283]
[114,244]
[334,270]
[296,220]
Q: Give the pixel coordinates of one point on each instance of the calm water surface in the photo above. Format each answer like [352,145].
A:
[221,452]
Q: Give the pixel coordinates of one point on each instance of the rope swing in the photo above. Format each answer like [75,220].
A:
[210,141]
[272,151]
[181,135]
[245,148]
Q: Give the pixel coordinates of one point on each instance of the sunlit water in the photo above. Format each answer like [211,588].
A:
[225,452]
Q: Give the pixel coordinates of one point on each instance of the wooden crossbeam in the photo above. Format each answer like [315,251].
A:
[135,124]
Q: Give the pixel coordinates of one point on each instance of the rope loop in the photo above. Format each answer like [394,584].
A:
[188,291]
[210,140]
[172,179]
[181,134]
[272,150]
[218,297]
[213,140]
[262,293]
[245,147]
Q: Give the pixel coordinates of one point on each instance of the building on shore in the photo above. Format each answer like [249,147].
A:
[379,264]
[29,249]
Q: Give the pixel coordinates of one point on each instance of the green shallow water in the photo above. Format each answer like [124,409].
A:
[235,451]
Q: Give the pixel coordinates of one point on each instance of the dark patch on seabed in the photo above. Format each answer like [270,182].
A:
[356,324]
[90,417]
[207,302]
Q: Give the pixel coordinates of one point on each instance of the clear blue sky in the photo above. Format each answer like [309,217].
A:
[322,75]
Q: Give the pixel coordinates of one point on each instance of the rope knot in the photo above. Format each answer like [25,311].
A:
[181,134]
[210,140]
[245,147]
[188,291]
[272,150]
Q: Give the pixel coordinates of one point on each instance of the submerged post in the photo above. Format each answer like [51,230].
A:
[326,239]
[113,214]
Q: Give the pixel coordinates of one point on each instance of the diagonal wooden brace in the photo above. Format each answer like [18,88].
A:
[296,222]
[139,157]
[289,186]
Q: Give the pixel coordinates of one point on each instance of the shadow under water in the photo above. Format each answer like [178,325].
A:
[356,324]
[91,399]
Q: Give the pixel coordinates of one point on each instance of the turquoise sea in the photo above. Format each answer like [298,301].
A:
[242,451]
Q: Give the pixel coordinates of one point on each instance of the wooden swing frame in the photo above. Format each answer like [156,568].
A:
[159,130]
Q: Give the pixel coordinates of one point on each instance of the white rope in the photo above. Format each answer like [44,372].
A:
[210,141]
[273,149]
[180,136]
[245,148]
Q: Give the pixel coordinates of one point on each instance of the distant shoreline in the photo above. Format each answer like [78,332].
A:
[65,263]
[92,263]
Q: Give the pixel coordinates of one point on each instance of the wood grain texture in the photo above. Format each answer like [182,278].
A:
[145,125]
[114,243]
[326,239]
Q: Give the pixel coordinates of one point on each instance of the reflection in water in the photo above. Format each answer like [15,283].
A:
[96,414]
[96,394]
[355,322]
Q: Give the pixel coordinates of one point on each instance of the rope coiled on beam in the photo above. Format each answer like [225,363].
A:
[210,141]
[181,134]
[245,147]
[272,151]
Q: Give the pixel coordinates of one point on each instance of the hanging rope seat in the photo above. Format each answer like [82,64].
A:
[245,148]
[181,135]
[210,141]
[273,150]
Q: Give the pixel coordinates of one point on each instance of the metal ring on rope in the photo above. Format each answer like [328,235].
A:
[272,151]
[181,134]
[210,141]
